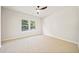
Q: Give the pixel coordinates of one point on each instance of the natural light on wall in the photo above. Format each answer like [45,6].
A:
[0,26]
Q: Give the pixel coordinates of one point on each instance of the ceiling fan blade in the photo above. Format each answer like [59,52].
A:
[43,8]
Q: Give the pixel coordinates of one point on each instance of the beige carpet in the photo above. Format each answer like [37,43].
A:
[38,44]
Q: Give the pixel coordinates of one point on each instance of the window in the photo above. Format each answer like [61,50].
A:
[25,25]
[32,24]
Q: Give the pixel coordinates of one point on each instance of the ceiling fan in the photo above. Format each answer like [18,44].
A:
[38,8]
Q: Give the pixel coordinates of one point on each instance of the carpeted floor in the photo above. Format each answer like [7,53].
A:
[38,44]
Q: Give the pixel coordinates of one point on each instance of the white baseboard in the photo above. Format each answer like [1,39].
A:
[63,39]
[24,36]
[17,37]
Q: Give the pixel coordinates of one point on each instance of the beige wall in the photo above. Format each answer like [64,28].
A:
[78,25]
[0,26]
[11,24]
[62,24]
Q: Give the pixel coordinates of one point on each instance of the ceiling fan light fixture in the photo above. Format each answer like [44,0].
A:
[40,8]
[37,11]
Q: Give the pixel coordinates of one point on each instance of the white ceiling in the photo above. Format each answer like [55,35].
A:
[32,10]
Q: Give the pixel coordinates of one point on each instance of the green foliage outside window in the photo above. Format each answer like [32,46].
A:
[25,25]
[32,24]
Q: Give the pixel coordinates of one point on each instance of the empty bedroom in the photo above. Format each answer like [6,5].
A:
[39,29]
